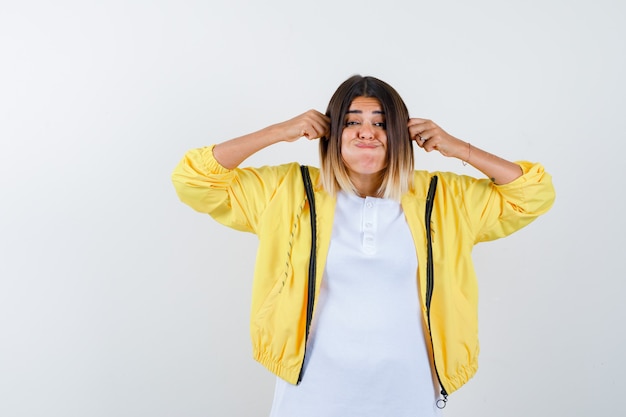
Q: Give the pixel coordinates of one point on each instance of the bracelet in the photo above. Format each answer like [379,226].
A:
[469,153]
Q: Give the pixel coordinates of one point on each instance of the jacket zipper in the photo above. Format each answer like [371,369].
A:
[430,282]
[312,261]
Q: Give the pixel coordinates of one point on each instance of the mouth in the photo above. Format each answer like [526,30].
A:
[367,145]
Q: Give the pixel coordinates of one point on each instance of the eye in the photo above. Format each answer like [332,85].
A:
[382,125]
[352,123]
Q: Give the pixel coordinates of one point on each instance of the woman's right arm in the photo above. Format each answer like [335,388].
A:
[206,178]
[311,124]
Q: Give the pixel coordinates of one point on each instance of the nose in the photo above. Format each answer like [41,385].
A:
[366,131]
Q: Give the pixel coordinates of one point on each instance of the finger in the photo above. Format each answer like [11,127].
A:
[414,120]
[322,126]
[419,136]
[432,131]
[419,123]
[417,129]
[415,132]
[419,140]
[310,132]
[320,121]
[312,124]
[428,139]
[429,144]
[315,131]
[415,126]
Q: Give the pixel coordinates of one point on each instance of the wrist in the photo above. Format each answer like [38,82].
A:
[274,134]
[468,155]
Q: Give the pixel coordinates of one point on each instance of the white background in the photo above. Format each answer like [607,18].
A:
[118,300]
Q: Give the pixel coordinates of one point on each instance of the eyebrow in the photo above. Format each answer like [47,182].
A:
[361,112]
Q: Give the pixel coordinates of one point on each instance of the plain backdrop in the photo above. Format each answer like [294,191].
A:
[118,300]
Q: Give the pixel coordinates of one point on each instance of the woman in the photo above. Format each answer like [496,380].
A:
[394,307]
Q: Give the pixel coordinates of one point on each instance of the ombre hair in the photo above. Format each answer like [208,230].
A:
[397,177]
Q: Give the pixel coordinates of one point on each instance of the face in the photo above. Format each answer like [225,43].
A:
[364,138]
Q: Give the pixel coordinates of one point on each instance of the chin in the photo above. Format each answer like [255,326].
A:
[366,170]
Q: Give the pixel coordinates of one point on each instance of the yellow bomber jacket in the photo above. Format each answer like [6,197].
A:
[271,202]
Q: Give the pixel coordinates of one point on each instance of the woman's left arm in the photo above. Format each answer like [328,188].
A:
[429,136]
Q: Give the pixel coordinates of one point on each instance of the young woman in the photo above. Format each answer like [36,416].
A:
[387,324]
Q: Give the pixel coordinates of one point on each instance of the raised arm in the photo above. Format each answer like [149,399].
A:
[311,125]
[429,136]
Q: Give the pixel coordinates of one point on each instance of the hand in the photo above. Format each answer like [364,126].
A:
[311,125]
[429,136]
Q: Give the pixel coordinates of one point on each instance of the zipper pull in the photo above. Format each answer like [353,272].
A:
[442,402]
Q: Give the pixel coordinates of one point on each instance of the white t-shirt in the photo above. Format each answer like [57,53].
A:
[366,354]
